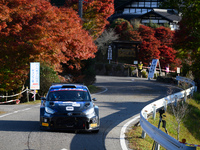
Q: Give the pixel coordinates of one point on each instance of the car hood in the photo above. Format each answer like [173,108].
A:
[69,106]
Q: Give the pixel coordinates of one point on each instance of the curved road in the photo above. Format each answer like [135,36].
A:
[122,99]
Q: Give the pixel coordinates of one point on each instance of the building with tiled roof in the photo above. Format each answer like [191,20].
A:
[145,11]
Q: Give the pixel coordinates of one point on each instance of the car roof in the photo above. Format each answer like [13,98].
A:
[59,85]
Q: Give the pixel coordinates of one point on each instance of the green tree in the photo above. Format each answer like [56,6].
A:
[47,77]
[187,38]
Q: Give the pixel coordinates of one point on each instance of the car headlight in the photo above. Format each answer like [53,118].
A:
[49,110]
[89,111]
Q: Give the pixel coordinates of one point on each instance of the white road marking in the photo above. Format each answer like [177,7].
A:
[17,111]
[123,131]
[102,91]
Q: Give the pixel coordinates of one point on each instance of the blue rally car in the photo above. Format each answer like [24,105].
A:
[69,107]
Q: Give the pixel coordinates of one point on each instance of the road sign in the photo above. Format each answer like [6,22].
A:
[152,68]
[34,75]
[109,53]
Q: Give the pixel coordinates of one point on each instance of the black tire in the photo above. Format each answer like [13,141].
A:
[95,131]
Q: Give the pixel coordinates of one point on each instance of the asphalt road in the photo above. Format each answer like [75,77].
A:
[122,99]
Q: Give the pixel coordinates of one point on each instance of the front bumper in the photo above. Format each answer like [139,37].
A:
[64,122]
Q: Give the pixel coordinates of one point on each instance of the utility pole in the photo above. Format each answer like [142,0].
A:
[80,8]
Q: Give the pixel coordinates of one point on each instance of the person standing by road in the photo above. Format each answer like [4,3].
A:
[140,67]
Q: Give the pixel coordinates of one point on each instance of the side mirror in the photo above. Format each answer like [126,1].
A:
[43,99]
[94,99]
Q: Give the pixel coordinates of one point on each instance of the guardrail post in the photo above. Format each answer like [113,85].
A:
[6,96]
[185,96]
[154,111]
[157,146]
[195,88]
[192,92]
[27,94]
[176,100]
[165,104]
[144,133]
[190,148]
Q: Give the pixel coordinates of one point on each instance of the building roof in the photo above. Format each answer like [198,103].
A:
[164,13]
[120,3]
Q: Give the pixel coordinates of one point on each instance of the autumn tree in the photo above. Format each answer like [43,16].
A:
[168,55]
[95,14]
[125,30]
[149,49]
[187,38]
[37,31]
[164,35]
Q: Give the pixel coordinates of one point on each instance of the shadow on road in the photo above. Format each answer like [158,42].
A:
[123,100]
[118,111]
[19,126]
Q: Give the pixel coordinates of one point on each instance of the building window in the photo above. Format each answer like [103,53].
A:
[154,21]
[126,11]
[132,10]
[163,21]
[138,11]
[134,4]
[141,4]
[154,4]
[144,21]
[144,11]
[147,4]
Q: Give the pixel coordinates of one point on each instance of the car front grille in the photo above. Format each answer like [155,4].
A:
[70,122]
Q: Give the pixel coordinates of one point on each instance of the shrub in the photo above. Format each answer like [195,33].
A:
[144,74]
[88,71]
[118,68]
[99,67]
[108,68]
[47,77]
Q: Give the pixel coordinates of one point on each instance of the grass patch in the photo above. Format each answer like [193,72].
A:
[94,89]
[190,128]
[31,102]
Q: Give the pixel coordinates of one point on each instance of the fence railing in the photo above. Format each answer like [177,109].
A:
[14,97]
[156,134]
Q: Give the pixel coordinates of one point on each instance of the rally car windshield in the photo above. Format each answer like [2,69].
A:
[68,95]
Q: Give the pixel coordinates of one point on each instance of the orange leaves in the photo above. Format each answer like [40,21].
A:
[95,14]
[34,30]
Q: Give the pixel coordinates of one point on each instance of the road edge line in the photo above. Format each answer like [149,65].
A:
[123,131]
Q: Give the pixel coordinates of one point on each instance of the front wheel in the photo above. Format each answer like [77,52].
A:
[95,131]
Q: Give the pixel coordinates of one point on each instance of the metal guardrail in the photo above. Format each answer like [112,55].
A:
[156,134]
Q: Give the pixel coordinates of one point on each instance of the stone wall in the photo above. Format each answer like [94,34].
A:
[111,69]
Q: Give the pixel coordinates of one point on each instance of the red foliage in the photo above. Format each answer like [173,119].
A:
[145,31]
[164,35]
[125,30]
[157,44]
[167,55]
[121,27]
[95,14]
[36,31]
[149,47]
